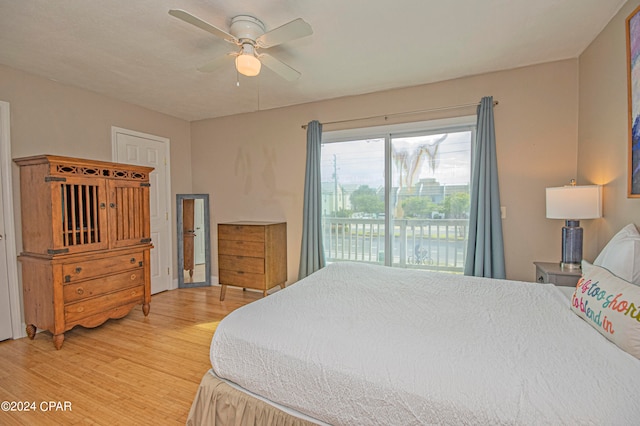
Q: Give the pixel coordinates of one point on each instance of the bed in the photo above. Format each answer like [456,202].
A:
[358,344]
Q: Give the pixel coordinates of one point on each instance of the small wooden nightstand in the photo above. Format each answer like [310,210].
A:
[548,272]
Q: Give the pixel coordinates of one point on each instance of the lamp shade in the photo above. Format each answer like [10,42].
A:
[574,202]
[248,65]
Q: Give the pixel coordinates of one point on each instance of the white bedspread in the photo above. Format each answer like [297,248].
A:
[357,344]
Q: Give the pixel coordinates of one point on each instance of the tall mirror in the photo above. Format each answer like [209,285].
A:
[194,243]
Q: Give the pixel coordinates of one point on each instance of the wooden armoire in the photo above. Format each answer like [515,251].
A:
[86,242]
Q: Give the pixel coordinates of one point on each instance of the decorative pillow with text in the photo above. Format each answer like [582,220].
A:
[609,304]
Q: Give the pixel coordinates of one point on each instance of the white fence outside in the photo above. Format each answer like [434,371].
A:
[432,244]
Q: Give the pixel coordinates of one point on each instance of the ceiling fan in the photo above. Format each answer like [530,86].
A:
[248,33]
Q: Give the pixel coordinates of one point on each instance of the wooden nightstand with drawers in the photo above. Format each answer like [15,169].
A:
[252,255]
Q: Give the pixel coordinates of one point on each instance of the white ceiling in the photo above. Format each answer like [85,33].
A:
[135,51]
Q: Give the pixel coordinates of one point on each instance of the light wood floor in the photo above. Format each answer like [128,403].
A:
[131,371]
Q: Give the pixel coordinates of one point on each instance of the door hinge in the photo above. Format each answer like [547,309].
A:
[166,215]
[168,271]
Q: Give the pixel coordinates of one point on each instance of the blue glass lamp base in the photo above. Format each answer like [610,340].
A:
[571,245]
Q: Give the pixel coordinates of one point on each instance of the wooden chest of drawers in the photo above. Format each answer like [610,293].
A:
[84,289]
[252,255]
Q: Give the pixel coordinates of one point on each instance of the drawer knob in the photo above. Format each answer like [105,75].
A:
[78,270]
[132,260]
[133,277]
[80,291]
[67,278]
[80,309]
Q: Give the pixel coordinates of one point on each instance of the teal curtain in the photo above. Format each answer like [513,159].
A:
[485,249]
[312,251]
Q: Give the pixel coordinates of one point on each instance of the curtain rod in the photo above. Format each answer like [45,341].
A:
[398,114]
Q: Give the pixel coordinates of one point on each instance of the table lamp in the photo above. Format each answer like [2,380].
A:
[572,203]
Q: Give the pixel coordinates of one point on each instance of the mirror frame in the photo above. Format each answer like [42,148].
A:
[207,240]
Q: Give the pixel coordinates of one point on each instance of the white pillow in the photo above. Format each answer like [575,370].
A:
[609,304]
[621,256]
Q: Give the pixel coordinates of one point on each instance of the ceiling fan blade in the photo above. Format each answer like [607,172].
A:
[194,20]
[297,28]
[279,67]
[216,63]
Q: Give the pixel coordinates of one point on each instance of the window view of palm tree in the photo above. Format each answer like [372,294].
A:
[413,216]
[430,199]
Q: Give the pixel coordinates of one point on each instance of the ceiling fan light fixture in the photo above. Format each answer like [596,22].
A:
[248,33]
[246,63]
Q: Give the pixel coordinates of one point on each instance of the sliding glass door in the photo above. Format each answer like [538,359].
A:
[398,197]
[353,200]
[429,199]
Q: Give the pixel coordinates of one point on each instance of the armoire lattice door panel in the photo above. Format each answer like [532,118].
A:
[131,225]
[86,242]
[83,222]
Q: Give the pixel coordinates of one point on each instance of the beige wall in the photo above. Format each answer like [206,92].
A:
[253,164]
[51,118]
[603,130]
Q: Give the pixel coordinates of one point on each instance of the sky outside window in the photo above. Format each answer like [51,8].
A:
[362,161]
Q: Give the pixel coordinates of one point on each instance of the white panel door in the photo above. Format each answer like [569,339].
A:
[5,307]
[10,314]
[147,150]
